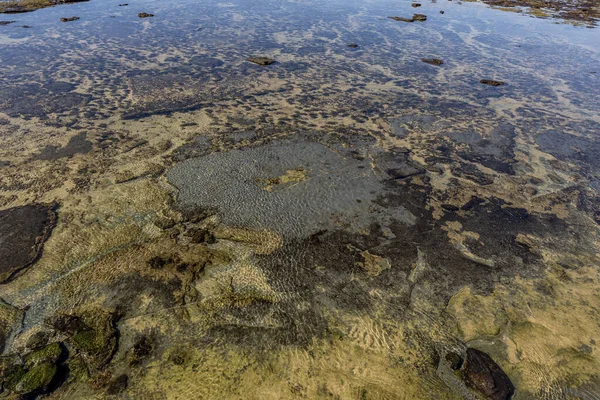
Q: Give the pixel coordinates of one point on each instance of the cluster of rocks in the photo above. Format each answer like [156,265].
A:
[69,346]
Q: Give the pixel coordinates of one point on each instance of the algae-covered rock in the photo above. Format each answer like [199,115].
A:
[49,354]
[11,373]
[92,333]
[38,340]
[38,379]
[96,338]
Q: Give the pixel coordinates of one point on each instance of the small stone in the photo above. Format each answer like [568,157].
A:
[441,11]
[353,45]
[140,350]
[420,17]
[2,23]
[123,5]
[415,5]
[432,61]
[491,82]
[69,19]
[264,61]
[145,15]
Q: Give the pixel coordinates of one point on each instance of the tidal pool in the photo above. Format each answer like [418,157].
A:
[395,208]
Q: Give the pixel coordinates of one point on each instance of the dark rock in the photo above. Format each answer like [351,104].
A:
[415,5]
[157,262]
[454,360]
[264,61]
[450,207]
[2,23]
[69,19]
[432,61]
[441,11]
[353,45]
[123,5]
[483,375]
[145,15]
[419,17]
[140,351]
[23,232]
[491,82]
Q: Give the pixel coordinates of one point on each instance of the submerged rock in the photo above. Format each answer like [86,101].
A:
[491,82]
[23,232]
[69,19]
[93,334]
[36,375]
[264,61]
[402,19]
[353,45]
[432,61]
[2,23]
[145,15]
[415,17]
[483,375]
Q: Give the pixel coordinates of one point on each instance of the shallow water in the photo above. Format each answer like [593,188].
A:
[333,225]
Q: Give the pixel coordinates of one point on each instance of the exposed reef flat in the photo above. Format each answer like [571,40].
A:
[346,223]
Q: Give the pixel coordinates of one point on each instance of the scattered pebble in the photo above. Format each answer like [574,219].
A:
[432,61]
[264,61]
[491,82]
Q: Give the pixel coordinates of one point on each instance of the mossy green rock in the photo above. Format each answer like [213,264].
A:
[11,372]
[37,379]
[96,338]
[49,354]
